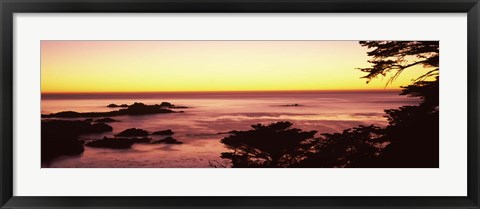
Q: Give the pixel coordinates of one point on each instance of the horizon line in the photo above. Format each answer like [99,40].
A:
[234,91]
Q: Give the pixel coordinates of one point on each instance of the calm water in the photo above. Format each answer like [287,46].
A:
[212,113]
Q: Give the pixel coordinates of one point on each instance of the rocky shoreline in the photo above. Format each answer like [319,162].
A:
[61,137]
[134,109]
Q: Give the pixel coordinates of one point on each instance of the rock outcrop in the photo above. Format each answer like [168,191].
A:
[168,140]
[135,109]
[60,137]
[132,132]
[163,132]
[116,143]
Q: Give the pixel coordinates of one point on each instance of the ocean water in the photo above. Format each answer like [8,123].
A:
[210,114]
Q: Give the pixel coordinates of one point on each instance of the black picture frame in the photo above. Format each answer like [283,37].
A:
[9,7]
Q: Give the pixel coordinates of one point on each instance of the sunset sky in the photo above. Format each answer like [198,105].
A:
[166,66]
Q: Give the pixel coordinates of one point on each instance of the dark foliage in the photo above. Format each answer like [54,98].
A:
[396,56]
[410,140]
[356,147]
[274,145]
[413,131]
[413,134]
[428,91]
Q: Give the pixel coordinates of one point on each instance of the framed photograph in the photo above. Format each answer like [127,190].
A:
[239,104]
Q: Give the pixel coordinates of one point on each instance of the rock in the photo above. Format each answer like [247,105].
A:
[117,143]
[142,109]
[132,132]
[178,107]
[111,143]
[115,105]
[164,132]
[106,120]
[134,109]
[100,127]
[73,127]
[166,104]
[60,137]
[65,114]
[56,146]
[168,140]
[291,105]
[170,105]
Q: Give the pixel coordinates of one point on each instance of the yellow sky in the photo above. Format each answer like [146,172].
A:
[151,66]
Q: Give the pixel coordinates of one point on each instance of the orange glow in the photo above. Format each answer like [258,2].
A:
[173,66]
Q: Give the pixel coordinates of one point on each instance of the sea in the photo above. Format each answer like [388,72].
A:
[208,118]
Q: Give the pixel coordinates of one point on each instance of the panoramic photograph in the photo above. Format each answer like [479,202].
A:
[239,104]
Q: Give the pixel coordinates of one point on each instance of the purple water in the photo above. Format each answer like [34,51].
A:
[212,113]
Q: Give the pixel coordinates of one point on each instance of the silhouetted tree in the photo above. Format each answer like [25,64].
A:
[396,56]
[412,136]
[355,147]
[413,131]
[274,145]
[409,140]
